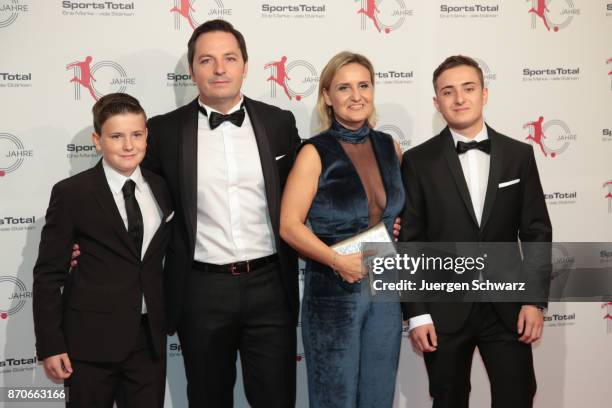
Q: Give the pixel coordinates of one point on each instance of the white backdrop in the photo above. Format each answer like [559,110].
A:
[562,74]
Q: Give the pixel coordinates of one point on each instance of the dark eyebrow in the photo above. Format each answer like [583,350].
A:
[211,56]
[463,84]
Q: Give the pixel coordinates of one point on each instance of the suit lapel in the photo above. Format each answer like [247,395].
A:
[268,165]
[495,166]
[452,159]
[163,201]
[105,198]
[188,171]
[158,193]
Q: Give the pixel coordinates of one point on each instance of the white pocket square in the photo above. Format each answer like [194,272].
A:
[171,216]
[280,157]
[508,183]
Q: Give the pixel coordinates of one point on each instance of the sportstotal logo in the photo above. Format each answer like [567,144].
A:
[194,12]
[383,15]
[561,197]
[179,80]
[10,10]
[469,11]
[531,74]
[608,316]
[108,77]
[117,8]
[174,349]
[397,134]
[556,132]
[81,151]
[394,77]
[12,153]
[15,80]
[608,186]
[10,223]
[13,365]
[13,296]
[560,319]
[298,79]
[298,11]
[554,15]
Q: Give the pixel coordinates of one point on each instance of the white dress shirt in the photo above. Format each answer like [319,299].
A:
[233,222]
[475,165]
[151,213]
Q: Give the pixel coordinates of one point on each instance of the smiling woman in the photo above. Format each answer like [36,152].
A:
[337,185]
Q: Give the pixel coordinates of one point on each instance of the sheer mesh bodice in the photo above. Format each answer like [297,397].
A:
[364,160]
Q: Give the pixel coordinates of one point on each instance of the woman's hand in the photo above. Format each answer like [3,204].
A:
[349,267]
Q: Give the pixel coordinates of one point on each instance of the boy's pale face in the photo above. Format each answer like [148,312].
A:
[123,142]
[460,98]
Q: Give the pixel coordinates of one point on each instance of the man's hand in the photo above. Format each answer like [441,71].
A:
[396,228]
[58,367]
[530,324]
[424,338]
[76,252]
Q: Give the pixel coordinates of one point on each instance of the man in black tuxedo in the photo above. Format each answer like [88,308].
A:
[232,283]
[104,335]
[472,184]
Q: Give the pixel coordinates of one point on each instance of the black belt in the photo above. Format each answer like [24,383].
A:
[237,268]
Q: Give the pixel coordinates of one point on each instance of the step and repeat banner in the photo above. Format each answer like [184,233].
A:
[547,64]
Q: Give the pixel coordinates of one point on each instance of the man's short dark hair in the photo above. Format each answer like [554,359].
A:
[215,25]
[455,61]
[114,104]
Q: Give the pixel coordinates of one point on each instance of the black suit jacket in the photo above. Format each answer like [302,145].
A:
[98,314]
[439,209]
[172,153]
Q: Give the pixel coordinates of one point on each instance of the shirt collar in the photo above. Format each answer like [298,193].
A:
[482,135]
[116,180]
[232,110]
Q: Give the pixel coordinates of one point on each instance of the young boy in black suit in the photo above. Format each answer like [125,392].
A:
[104,333]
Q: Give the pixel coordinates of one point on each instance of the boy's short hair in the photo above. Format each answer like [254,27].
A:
[114,104]
[455,61]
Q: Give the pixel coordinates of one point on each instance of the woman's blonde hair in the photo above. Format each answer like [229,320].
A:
[325,113]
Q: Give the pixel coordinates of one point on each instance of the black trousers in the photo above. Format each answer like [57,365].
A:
[224,314]
[137,382]
[508,362]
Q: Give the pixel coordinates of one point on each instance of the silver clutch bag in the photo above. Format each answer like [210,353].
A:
[377,233]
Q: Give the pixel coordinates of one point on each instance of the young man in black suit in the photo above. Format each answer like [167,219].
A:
[232,283]
[472,184]
[104,333]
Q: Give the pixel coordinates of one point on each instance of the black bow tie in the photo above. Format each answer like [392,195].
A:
[484,146]
[215,119]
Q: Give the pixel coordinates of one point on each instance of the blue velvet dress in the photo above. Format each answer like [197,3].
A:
[351,343]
